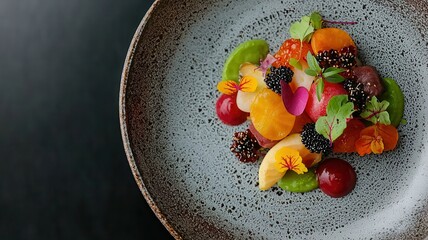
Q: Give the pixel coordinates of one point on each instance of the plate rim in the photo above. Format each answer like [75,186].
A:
[123,126]
[123,121]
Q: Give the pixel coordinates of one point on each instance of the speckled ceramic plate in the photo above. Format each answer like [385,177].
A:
[178,149]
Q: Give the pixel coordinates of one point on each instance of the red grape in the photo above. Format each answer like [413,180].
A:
[336,177]
[228,111]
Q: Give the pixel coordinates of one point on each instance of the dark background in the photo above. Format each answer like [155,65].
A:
[63,171]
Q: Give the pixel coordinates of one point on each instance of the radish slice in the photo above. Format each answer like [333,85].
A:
[294,103]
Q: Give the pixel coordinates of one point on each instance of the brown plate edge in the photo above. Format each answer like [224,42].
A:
[123,127]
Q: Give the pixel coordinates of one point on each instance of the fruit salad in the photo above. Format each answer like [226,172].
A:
[306,103]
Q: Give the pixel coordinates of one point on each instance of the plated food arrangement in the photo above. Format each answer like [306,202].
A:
[311,99]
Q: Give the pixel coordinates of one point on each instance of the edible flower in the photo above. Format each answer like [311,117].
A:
[295,103]
[266,63]
[289,159]
[246,84]
[377,139]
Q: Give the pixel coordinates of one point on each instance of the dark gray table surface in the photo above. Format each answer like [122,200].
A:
[63,171]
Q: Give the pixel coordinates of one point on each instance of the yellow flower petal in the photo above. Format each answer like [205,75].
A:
[228,87]
[289,159]
[248,84]
[377,145]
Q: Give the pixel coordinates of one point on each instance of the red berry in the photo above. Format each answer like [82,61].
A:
[336,177]
[228,111]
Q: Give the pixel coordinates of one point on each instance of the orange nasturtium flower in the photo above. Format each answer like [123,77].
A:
[289,159]
[246,84]
[377,139]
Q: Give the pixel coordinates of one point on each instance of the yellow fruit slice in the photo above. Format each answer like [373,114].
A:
[269,174]
[269,116]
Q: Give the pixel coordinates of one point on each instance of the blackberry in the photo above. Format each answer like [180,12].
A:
[245,146]
[314,141]
[356,93]
[275,75]
[345,58]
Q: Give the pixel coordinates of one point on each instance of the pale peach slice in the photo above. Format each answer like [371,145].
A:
[269,175]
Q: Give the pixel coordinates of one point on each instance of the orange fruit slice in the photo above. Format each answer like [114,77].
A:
[269,174]
[330,38]
[269,116]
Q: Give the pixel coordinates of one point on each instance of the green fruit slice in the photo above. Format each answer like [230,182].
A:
[294,182]
[250,51]
[395,98]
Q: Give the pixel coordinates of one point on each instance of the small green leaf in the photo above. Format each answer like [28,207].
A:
[311,72]
[316,20]
[336,103]
[383,118]
[306,20]
[335,79]
[332,71]
[320,89]
[302,30]
[403,121]
[375,111]
[339,109]
[295,63]
[312,62]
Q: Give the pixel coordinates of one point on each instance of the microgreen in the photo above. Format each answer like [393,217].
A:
[339,109]
[330,74]
[375,112]
[340,22]
[303,31]
[295,63]
[316,20]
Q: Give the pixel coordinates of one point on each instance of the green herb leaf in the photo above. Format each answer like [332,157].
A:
[312,62]
[403,121]
[302,30]
[335,78]
[332,71]
[316,20]
[339,109]
[295,63]
[320,89]
[311,72]
[375,112]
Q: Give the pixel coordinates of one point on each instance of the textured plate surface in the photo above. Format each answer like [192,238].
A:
[178,149]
